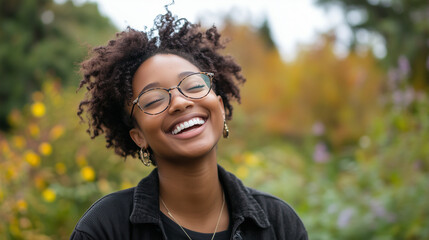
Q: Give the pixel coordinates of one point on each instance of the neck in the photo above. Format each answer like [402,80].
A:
[190,189]
[193,194]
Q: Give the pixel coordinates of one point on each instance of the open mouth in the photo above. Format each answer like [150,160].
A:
[187,125]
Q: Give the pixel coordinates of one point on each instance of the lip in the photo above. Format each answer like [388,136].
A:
[184,118]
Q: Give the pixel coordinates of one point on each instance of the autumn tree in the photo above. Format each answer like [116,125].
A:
[403,26]
[288,99]
[41,38]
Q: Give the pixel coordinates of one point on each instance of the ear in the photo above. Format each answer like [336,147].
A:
[138,137]
[221,105]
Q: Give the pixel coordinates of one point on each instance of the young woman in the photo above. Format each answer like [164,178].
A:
[165,98]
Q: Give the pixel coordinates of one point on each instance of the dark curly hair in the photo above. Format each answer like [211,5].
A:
[109,70]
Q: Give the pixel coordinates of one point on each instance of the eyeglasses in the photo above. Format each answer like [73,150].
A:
[155,100]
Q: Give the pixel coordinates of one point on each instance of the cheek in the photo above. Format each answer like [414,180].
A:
[149,127]
[217,112]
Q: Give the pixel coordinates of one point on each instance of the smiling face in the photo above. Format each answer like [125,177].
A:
[189,128]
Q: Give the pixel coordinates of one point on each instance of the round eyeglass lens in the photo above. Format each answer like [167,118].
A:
[195,85]
[154,101]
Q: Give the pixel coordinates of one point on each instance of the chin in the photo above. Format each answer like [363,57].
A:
[196,152]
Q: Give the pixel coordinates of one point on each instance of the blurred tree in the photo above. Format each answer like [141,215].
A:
[403,26]
[40,38]
[317,88]
[265,33]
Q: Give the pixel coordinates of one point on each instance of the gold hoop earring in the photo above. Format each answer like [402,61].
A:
[225,129]
[144,156]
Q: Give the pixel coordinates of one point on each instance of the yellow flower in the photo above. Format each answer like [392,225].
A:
[19,142]
[32,158]
[56,132]
[38,109]
[87,173]
[60,168]
[242,172]
[21,205]
[251,159]
[11,173]
[34,129]
[49,195]
[45,149]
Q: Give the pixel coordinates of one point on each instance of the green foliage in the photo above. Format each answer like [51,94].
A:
[377,192]
[50,170]
[40,38]
[373,190]
[403,26]
[348,150]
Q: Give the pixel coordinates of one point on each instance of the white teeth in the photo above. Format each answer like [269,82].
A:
[187,124]
[191,123]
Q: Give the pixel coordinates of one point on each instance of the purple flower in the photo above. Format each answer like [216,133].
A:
[380,212]
[344,217]
[403,98]
[404,66]
[321,153]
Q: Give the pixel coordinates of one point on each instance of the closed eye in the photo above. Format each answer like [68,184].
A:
[149,104]
[196,87]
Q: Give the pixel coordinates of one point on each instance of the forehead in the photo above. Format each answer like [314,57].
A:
[165,69]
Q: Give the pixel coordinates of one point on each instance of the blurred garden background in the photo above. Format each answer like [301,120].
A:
[343,138]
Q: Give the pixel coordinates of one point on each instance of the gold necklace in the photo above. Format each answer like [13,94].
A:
[177,222]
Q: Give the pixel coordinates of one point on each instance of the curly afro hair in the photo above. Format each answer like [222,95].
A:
[109,70]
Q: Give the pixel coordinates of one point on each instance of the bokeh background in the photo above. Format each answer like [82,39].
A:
[342,137]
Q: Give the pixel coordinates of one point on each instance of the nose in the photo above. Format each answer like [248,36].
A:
[179,102]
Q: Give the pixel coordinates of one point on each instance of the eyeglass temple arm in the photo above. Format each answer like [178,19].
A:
[132,109]
[208,74]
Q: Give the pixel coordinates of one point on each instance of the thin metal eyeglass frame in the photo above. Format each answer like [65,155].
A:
[136,101]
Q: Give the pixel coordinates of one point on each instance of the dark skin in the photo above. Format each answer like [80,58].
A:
[187,162]
[194,196]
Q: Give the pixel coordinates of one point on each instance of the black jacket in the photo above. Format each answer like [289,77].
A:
[134,214]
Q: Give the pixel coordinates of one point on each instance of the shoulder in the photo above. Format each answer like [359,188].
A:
[281,215]
[108,214]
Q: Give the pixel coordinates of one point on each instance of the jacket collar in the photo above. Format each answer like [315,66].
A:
[243,205]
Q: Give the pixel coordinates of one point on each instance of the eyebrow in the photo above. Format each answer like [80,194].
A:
[157,84]
[150,85]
